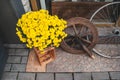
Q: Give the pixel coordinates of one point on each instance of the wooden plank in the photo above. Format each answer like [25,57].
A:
[118,22]
[67,10]
[34,5]
[98,24]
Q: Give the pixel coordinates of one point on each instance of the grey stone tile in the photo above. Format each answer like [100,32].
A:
[18,52]
[15,45]
[24,59]
[14,59]
[9,76]
[82,76]
[100,76]
[63,76]
[115,75]
[45,76]
[26,76]
[18,67]
[21,52]
[7,67]
[11,51]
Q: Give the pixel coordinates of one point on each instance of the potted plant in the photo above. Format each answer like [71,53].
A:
[41,32]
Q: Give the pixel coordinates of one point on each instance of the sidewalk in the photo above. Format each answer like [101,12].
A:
[16,64]
[61,76]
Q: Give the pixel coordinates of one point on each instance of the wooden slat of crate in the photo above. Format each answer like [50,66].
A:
[33,64]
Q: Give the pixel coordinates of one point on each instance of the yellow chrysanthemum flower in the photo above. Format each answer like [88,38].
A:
[39,29]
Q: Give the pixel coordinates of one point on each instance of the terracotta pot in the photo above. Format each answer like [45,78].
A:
[46,57]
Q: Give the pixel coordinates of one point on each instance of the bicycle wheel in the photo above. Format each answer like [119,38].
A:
[107,21]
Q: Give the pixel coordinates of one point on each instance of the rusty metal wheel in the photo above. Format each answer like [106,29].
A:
[82,35]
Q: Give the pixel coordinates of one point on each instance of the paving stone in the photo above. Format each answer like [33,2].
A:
[15,45]
[45,76]
[115,75]
[22,52]
[100,76]
[24,60]
[26,76]
[14,59]
[19,52]
[7,67]
[82,76]
[9,76]
[11,51]
[18,67]
[63,76]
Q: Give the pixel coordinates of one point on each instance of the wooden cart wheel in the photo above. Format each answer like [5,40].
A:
[82,34]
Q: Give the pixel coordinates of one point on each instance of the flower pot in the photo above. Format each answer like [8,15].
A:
[46,57]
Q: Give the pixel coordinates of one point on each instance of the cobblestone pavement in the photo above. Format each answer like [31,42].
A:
[16,64]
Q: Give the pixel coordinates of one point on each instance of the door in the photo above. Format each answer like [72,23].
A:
[10,11]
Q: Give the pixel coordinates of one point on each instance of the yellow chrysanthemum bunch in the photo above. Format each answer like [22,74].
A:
[39,29]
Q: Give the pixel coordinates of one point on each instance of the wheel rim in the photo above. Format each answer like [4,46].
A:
[107,15]
[108,18]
